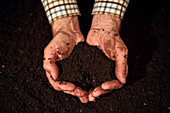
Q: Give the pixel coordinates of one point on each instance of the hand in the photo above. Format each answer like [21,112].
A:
[66,34]
[104,33]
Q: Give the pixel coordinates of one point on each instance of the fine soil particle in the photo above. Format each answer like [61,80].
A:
[25,31]
[88,64]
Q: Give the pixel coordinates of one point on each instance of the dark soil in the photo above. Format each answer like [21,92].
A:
[25,31]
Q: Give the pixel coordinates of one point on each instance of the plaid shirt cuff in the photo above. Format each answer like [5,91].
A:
[56,9]
[112,7]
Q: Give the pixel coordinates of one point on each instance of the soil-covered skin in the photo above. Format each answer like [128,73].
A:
[25,31]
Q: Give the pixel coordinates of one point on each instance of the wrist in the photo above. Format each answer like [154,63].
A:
[69,23]
[106,22]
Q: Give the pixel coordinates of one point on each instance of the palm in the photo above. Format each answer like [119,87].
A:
[108,40]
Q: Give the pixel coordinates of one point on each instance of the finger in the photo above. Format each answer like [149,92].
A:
[77,92]
[82,95]
[52,82]
[49,63]
[121,69]
[60,85]
[52,69]
[110,85]
[99,91]
[90,96]
[84,99]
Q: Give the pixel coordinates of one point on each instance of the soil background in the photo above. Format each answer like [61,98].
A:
[25,31]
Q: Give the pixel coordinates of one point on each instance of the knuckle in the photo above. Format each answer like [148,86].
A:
[56,88]
[72,87]
[45,66]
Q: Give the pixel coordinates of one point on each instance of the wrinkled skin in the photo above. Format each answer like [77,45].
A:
[104,34]
[66,34]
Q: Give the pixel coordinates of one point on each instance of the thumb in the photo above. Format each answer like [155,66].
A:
[52,69]
[49,63]
[79,37]
[92,37]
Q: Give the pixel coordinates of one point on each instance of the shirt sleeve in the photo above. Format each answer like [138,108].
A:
[56,9]
[111,7]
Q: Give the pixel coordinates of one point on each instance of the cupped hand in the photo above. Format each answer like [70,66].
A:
[104,34]
[66,34]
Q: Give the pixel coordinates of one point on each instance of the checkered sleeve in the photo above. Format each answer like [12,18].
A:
[56,9]
[112,7]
